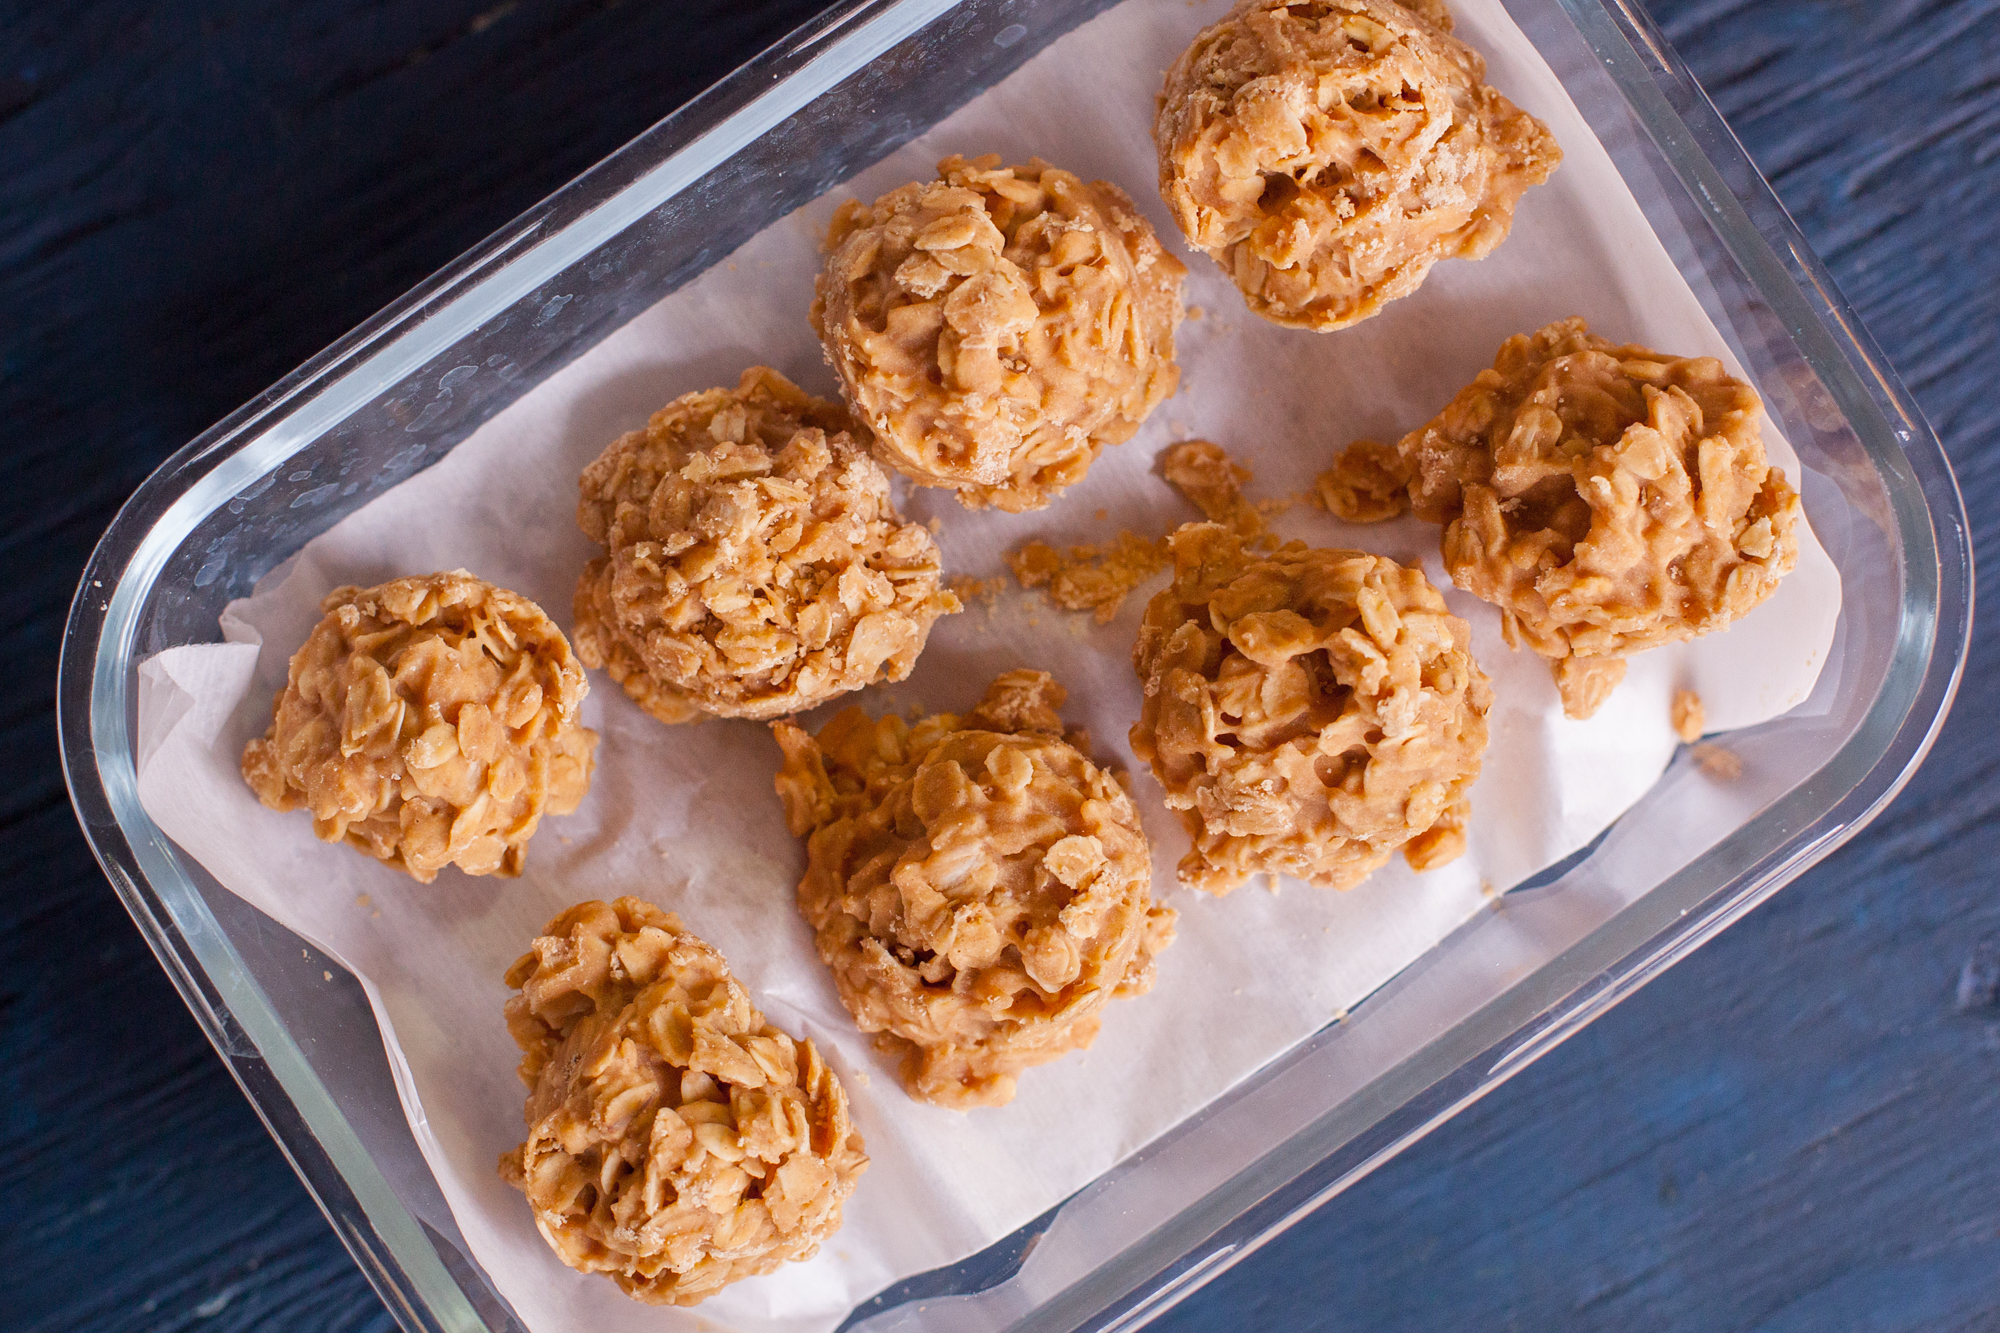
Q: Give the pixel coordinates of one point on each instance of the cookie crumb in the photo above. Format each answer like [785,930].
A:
[1586,682]
[1689,721]
[1368,483]
[1098,577]
[984,591]
[1213,482]
[1094,578]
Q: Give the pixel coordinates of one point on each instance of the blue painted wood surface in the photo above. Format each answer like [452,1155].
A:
[1797,1129]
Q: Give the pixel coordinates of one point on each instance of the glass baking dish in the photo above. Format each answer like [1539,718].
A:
[835,96]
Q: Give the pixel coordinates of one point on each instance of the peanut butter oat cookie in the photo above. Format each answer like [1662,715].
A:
[676,1141]
[1309,712]
[997,327]
[979,888]
[1099,576]
[1327,153]
[1607,499]
[430,721]
[756,564]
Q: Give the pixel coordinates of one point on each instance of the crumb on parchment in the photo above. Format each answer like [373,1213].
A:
[1098,577]
[1095,577]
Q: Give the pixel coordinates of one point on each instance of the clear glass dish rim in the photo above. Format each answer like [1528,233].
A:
[98,668]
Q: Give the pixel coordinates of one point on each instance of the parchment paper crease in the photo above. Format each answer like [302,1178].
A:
[686,817]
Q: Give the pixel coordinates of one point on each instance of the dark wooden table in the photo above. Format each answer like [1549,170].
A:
[1798,1129]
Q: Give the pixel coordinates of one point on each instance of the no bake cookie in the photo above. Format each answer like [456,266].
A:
[676,1141]
[430,721]
[1309,712]
[997,327]
[979,888]
[1606,498]
[755,564]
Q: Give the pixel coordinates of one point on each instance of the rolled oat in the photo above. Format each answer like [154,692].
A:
[1327,153]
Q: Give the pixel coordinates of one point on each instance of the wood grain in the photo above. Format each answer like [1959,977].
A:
[1792,1130]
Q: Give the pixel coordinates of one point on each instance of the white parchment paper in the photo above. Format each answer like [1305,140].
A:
[687,817]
